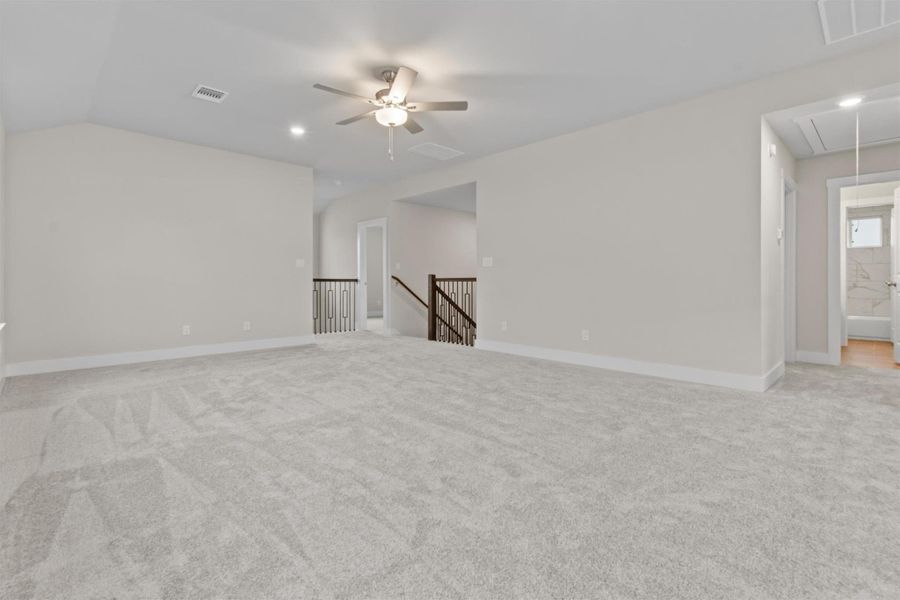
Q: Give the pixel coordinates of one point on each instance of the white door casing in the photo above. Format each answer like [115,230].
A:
[895,276]
[362,275]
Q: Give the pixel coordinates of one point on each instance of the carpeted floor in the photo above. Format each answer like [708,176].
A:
[391,467]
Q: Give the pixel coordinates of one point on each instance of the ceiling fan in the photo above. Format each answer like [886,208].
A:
[391,105]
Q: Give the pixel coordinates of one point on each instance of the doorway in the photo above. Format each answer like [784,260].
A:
[789,265]
[862,270]
[373,292]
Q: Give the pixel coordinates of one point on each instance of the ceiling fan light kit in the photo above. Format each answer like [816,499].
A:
[391,106]
[391,116]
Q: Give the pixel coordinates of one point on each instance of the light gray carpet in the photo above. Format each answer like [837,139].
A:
[387,467]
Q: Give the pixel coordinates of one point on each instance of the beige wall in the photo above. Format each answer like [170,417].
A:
[2,250]
[117,239]
[424,240]
[687,243]
[772,173]
[812,234]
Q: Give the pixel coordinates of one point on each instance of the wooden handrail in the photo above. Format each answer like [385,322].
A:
[455,306]
[327,279]
[422,302]
[407,288]
[456,279]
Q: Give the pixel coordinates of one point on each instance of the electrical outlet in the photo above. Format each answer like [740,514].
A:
[246,325]
[487,261]
[185,330]
[503,325]
[585,335]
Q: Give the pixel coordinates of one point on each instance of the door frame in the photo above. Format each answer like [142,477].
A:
[789,254]
[362,312]
[837,317]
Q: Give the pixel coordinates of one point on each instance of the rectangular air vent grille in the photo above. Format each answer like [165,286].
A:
[435,151]
[207,93]
[845,19]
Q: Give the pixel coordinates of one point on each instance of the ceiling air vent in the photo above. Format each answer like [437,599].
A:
[207,93]
[845,19]
[435,151]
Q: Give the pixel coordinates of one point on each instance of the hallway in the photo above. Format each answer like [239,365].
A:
[871,354]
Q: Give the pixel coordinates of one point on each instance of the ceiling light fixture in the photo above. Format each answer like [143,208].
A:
[297,130]
[850,102]
[391,116]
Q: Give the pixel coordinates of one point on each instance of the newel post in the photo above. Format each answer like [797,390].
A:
[432,308]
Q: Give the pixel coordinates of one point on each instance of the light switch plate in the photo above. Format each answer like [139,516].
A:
[487,261]
[585,335]
[246,325]
[503,325]
[301,262]
[185,330]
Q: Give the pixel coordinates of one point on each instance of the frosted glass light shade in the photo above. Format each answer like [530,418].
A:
[391,116]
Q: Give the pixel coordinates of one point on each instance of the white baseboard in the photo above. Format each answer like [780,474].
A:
[774,374]
[817,358]
[125,358]
[753,383]
[869,328]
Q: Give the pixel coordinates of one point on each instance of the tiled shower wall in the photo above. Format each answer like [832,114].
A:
[868,268]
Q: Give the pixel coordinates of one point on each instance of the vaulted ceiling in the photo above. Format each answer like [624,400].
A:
[529,70]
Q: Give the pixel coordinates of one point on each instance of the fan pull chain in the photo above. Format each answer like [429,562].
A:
[857,158]
[391,142]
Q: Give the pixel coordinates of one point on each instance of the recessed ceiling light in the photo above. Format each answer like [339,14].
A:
[848,102]
[297,130]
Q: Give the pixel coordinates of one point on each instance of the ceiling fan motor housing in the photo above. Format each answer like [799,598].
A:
[380,94]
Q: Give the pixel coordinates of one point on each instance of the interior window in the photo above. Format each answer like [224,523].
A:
[864,233]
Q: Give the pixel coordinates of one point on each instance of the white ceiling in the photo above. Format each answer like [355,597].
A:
[458,197]
[824,127]
[529,70]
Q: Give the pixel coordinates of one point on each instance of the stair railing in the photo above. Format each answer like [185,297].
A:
[449,332]
[448,321]
[334,305]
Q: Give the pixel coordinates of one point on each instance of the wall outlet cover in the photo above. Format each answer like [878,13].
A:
[487,261]
[503,325]
[246,325]
[185,330]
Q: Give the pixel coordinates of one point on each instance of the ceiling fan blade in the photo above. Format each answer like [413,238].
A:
[425,106]
[412,126]
[326,88]
[403,81]
[356,118]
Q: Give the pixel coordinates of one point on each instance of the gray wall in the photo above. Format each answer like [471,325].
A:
[117,239]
